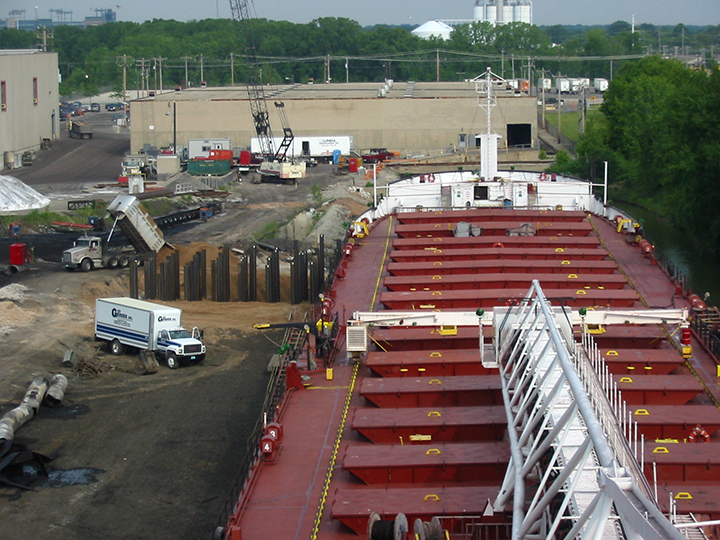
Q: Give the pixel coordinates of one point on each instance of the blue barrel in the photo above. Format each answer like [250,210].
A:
[336,156]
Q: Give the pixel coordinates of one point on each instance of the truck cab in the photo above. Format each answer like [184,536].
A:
[176,344]
[86,253]
[376,155]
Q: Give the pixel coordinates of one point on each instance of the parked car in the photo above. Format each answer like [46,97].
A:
[94,107]
[113,106]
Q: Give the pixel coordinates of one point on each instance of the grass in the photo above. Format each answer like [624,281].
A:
[269,230]
[44,218]
[570,124]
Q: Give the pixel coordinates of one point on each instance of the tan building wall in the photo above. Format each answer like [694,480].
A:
[29,113]
[427,122]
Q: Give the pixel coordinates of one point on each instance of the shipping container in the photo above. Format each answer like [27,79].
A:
[205,167]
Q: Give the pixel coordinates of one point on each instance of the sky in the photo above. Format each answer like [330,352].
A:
[367,12]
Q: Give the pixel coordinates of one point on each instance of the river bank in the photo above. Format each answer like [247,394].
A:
[699,268]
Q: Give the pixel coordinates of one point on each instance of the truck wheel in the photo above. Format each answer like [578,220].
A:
[124,261]
[116,347]
[112,262]
[172,360]
[86,265]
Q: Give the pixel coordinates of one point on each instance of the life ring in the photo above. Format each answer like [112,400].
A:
[699,435]
[543,176]
[498,245]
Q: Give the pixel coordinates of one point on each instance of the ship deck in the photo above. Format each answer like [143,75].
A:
[417,426]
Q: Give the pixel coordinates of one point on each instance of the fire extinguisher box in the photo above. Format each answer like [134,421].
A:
[17,254]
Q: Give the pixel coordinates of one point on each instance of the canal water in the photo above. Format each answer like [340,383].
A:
[701,270]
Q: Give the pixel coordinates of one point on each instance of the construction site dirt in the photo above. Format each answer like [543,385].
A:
[143,456]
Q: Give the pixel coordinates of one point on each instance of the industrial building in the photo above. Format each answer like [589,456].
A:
[18,20]
[29,112]
[412,118]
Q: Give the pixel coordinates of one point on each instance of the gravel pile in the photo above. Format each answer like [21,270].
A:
[14,292]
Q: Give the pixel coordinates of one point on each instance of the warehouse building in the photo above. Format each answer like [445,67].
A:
[29,113]
[412,118]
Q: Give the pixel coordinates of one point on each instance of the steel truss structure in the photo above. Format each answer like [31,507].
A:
[564,479]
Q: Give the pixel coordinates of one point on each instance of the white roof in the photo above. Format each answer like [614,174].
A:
[433,28]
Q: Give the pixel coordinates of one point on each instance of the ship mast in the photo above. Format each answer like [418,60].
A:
[488,140]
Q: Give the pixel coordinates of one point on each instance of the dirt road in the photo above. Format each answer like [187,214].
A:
[138,456]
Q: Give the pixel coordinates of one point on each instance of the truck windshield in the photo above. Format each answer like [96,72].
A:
[179,334]
[83,242]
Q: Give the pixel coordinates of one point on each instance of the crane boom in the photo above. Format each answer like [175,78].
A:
[255,89]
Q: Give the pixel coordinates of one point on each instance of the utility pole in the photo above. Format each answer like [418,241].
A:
[160,61]
[232,69]
[143,76]
[559,107]
[347,73]
[437,64]
[202,69]
[123,61]
[542,85]
[187,82]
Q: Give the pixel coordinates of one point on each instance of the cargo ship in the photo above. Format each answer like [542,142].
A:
[498,355]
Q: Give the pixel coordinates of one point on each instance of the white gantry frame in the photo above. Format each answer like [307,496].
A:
[564,478]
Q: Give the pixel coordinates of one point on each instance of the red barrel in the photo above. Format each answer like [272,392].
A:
[353,165]
[245,157]
[17,254]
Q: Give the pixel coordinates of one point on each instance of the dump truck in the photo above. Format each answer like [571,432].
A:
[128,322]
[136,225]
[81,130]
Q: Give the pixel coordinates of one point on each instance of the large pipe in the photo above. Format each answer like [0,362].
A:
[56,391]
[24,412]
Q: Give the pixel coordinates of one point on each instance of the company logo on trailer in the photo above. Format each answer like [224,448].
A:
[163,318]
[120,315]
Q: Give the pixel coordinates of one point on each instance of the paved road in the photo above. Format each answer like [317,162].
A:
[72,164]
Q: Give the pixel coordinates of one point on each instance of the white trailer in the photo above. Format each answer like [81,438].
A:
[320,147]
[201,147]
[127,322]
[600,84]
[544,84]
[562,84]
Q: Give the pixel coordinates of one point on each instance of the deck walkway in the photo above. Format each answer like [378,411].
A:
[287,494]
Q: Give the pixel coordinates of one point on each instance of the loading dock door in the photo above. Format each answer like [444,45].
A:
[519,135]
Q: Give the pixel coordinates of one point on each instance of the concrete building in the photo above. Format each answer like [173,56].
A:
[412,118]
[28,101]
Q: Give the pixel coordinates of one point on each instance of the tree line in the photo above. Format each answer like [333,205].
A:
[339,49]
[659,131]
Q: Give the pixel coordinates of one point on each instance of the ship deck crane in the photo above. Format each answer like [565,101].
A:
[275,165]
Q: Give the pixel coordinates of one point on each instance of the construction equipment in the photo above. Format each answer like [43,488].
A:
[275,165]
[136,225]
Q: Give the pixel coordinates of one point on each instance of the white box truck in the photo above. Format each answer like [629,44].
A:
[317,147]
[600,84]
[127,322]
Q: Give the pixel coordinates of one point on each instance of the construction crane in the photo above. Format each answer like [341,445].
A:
[275,164]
